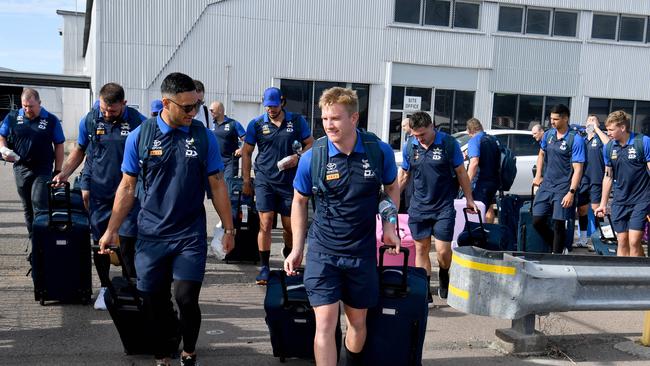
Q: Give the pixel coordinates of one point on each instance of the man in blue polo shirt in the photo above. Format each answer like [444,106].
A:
[174,160]
[32,138]
[592,179]
[341,261]
[102,136]
[627,161]
[484,163]
[274,133]
[435,161]
[563,152]
[229,133]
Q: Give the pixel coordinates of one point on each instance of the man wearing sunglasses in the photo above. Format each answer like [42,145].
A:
[274,133]
[175,171]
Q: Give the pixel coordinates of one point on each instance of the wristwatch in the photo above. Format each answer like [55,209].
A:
[572,191]
[230,231]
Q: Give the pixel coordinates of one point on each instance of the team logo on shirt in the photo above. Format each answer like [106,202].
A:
[42,124]
[265,129]
[367,172]
[594,143]
[631,153]
[100,130]
[190,149]
[227,127]
[436,153]
[156,149]
[563,146]
[20,120]
[289,126]
[332,173]
[125,129]
[614,154]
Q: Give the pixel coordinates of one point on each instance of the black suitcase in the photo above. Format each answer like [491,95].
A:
[604,244]
[509,206]
[397,325]
[124,304]
[290,317]
[61,255]
[486,236]
[247,223]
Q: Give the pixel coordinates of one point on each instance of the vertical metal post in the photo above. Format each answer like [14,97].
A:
[645,336]
[524,325]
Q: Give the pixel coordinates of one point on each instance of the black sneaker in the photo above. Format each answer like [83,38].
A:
[189,361]
[286,251]
[442,292]
[429,298]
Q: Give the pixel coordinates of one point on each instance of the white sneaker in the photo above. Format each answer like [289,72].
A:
[581,242]
[99,303]
[565,251]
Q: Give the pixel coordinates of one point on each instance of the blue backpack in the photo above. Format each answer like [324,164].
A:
[507,166]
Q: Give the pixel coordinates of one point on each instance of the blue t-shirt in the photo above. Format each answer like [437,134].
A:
[274,144]
[559,160]
[33,139]
[434,186]
[344,222]
[631,179]
[228,133]
[485,148]
[175,182]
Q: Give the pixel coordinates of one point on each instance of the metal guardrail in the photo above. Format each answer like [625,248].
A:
[517,285]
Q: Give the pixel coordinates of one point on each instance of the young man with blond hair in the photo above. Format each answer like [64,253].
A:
[484,163]
[341,262]
[627,161]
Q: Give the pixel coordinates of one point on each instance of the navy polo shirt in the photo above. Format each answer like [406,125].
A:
[434,186]
[631,179]
[595,165]
[172,204]
[228,133]
[347,228]
[104,149]
[559,159]
[486,149]
[33,139]
[275,143]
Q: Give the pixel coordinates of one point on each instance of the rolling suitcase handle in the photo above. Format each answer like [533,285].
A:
[285,290]
[53,220]
[600,229]
[104,277]
[393,290]
[480,225]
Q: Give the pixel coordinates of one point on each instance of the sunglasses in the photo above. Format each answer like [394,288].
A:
[188,108]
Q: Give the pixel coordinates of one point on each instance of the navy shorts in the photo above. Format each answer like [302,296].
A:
[273,197]
[329,278]
[590,193]
[441,226]
[158,262]
[629,217]
[550,203]
[230,167]
[485,193]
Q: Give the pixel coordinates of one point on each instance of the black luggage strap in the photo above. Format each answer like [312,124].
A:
[54,217]
[390,289]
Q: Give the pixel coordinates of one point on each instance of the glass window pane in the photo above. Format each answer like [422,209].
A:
[632,29]
[623,104]
[504,109]
[510,19]
[524,145]
[395,130]
[565,24]
[530,111]
[397,97]
[537,21]
[600,108]
[407,11]
[466,15]
[363,90]
[443,108]
[463,110]
[424,93]
[436,12]
[642,120]
[297,94]
[603,26]
[550,102]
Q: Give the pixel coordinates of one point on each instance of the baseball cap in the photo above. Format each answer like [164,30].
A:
[272,97]
[156,106]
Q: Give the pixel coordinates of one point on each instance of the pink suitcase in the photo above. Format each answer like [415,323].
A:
[459,225]
[406,238]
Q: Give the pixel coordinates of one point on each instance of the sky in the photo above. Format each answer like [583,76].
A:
[30,32]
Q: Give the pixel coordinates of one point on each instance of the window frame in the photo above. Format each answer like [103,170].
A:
[619,26]
[543,118]
[452,15]
[549,25]
[551,20]
[576,13]
[610,108]
[617,35]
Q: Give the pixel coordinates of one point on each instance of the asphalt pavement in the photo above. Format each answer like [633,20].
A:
[233,330]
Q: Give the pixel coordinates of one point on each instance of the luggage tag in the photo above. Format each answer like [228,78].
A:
[244,213]
[608,232]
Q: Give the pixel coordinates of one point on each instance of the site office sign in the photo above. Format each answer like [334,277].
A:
[412,104]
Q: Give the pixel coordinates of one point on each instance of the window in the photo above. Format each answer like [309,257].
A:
[512,111]
[544,21]
[302,97]
[523,145]
[638,110]
[619,28]
[604,26]
[443,13]
[451,109]
[631,29]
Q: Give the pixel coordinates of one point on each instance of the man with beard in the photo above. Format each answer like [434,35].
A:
[102,135]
